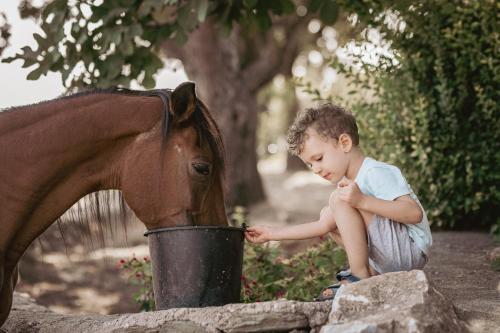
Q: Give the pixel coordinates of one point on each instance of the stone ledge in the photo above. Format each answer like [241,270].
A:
[26,317]
[393,302]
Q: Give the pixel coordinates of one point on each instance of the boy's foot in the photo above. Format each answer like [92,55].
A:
[329,292]
[340,275]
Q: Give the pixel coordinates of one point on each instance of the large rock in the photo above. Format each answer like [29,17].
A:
[393,302]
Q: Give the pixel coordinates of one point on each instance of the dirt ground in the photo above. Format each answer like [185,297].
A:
[83,281]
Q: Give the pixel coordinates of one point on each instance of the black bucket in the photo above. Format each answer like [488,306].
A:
[196,266]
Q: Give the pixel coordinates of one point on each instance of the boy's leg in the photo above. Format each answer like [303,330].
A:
[337,238]
[352,229]
[326,215]
[326,212]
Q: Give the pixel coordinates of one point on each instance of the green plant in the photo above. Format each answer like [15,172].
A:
[495,265]
[495,231]
[267,275]
[435,109]
[138,273]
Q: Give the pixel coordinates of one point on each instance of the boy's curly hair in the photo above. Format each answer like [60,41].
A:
[328,120]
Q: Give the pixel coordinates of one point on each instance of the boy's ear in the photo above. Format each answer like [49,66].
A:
[345,142]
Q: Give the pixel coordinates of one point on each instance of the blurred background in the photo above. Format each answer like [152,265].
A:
[421,77]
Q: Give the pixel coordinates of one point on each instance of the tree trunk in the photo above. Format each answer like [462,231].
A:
[213,64]
[293,163]
[228,72]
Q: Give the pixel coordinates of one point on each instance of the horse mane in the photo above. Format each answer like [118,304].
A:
[98,206]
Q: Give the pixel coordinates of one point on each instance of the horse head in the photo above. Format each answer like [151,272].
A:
[172,175]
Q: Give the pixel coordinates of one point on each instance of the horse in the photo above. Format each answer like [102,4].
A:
[161,148]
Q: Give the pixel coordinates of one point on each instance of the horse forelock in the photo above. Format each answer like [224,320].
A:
[209,132]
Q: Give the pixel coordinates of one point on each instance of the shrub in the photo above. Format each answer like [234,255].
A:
[436,112]
[138,273]
[267,275]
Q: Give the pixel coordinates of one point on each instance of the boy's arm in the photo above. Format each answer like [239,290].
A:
[261,233]
[403,209]
[301,231]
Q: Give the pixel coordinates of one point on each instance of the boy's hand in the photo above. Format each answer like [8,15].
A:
[349,191]
[258,234]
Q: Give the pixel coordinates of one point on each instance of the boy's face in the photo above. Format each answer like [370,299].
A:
[325,156]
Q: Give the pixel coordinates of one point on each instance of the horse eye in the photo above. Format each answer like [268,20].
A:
[202,168]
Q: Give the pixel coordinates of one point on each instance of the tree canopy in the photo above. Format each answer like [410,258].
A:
[105,43]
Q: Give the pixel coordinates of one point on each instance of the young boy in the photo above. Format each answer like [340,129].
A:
[373,213]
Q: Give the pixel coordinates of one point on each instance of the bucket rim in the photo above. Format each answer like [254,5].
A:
[193,227]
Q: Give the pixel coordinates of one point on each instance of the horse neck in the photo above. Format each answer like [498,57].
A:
[56,152]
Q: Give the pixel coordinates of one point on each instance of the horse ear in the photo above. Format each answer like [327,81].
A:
[183,102]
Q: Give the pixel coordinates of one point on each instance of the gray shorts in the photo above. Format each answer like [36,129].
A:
[390,247]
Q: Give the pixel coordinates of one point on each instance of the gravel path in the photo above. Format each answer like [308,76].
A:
[460,270]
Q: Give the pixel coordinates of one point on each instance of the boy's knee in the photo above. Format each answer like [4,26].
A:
[337,204]
[332,200]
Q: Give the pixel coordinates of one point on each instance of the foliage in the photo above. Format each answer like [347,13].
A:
[495,264]
[268,276]
[138,273]
[112,42]
[4,32]
[436,109]
[495,231]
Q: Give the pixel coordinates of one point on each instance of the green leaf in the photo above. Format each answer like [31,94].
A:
[315,5]
[35,74]
[202,10]
[42,42]
[264,21]
[329,13]
[113,65]
[148,82]
[8,60]
[250,3]
[135,30]
[146,7]
[115,35]
[288,6]
[127,47]
[180,37]
[75,30]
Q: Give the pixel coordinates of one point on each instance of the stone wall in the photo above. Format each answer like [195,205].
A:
[393,302]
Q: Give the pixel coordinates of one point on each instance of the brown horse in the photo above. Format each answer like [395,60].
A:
[161,148]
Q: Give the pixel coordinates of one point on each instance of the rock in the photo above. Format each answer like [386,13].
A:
[28,317]
[392,302]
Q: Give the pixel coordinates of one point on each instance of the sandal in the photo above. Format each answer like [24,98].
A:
[340,275]
[326,296]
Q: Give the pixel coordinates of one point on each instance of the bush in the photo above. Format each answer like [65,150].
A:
[138,273]
[267,275]
[436,113]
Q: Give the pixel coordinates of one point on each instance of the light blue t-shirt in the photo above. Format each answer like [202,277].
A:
[386,182]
